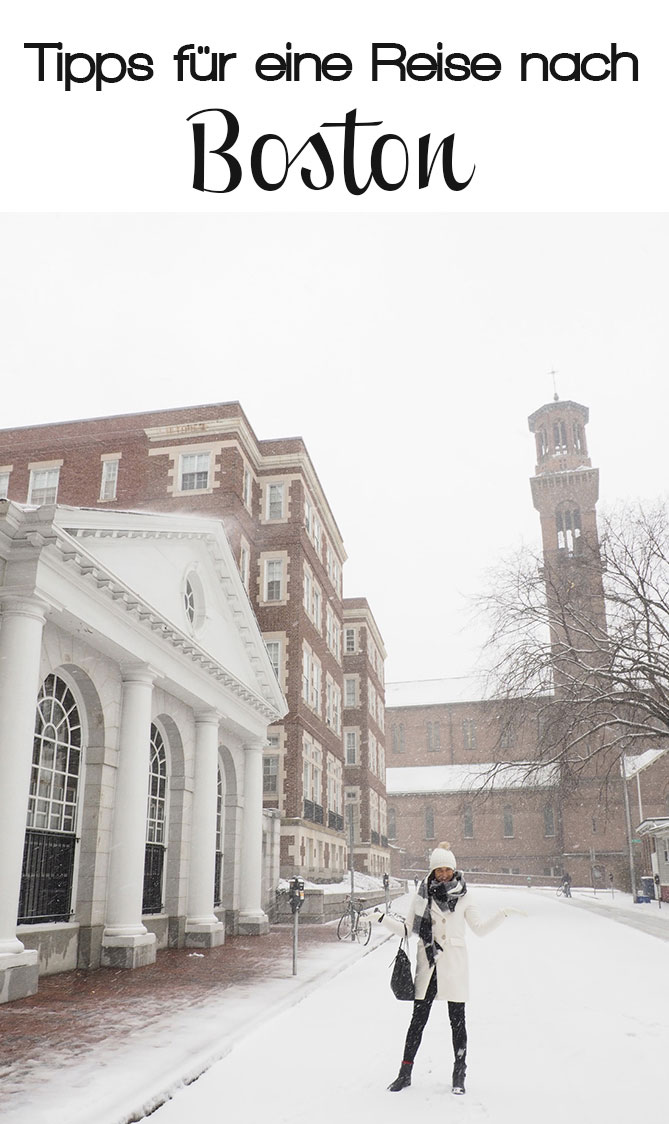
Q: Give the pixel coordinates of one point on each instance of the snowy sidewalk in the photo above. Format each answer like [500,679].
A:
[106,1047]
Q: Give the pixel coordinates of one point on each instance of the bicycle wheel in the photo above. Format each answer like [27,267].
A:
[559,892]
[363,929]
[344,926]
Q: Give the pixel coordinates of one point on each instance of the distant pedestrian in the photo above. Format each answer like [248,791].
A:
[437,913]
[566,885]
[415,883]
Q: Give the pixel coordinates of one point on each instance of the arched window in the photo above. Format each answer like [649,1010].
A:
[468,822]
[154,859]
[568,526]
[579,441]
[429,823]
[48,858]
[508,821]
[392,823]
[549,821]
[218,867]
[542,443]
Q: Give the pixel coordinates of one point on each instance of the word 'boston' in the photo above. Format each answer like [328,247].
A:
[217,170]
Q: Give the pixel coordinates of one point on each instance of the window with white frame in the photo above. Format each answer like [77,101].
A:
[275,501]
[273,579]
[156,815]
[307,582]
[43,485]
[374,810]
[329,693]
[380,713]
[57,745]
[317,606]
[350,690]
[247,487]
[245,564]
[373,758]
[334,770]
[315,696]
[383,819]
[508,821]
[330,628]
[194,472]
[336,707]
[469,733]
[312,762]
[274,653]
[351,738]
[350,645]
[382,761]
[317,535]
[109,478]
[336,572]
[371,698]
[306,673]
[270,774]
[4,483]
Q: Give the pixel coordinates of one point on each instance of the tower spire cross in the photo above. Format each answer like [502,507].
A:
[553,373]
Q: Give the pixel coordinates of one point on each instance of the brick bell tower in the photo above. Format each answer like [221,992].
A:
[565,489]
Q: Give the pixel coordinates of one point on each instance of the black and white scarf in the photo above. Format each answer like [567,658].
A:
[447,896]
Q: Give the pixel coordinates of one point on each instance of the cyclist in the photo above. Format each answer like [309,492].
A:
[437,913]
[566,885]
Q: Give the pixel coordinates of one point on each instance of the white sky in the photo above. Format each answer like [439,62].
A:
[407,351]
[567,1020]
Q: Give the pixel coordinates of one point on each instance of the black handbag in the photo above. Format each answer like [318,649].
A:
[401,980]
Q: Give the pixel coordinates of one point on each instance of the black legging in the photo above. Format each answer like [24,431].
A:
[421,1013]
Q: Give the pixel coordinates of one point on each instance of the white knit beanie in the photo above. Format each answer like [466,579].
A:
[442,856]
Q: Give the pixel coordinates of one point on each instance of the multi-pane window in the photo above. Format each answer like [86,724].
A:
[43,485]
[429,822]
[374,811]
[371,699]
[312,762]
[307,586]
[311,679]
[350,690]
[317,606]
[109,479]
[336,707]
[274,653]
[568,525]
[247,487]
[549,821]
[332,632]
[334,769]
[382,762]
[373,760]
[4,485]
[245,565]
[350,640]
[194,474]
[306,673]
[433,736]
[270,773]
[351,744]
[275,497]
[468,822]
[273,579]
[156,808]
[189,601]
[542,443]
[317,535]
[469,733]
[508,821]
[54,780]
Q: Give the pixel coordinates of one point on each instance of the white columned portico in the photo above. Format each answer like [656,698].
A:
[252,918]
[21,627]
[126,943]
[203,929]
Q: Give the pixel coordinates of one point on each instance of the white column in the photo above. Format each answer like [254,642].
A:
[252,919]
[202,926]
[125,941]
[21,628]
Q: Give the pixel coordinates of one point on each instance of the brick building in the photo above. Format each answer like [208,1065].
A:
[444,737]
[207,460]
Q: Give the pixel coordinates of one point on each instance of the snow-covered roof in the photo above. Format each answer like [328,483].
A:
[467,778]
[430,692]
[640,761]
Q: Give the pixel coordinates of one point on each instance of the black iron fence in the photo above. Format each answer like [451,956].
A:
[218,878]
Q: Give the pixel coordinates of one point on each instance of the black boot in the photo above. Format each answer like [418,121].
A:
[403,1078]
[459,1070]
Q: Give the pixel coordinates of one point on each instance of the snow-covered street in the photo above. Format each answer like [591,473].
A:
[569,1019]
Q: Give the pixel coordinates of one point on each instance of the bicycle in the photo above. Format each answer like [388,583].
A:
[561,892]
[353,924]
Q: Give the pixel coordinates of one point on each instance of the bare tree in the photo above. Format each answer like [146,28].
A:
[580,642]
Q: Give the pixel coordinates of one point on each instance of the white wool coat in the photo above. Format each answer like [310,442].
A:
[449,931]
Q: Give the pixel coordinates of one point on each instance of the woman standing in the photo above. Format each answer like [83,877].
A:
[437,914]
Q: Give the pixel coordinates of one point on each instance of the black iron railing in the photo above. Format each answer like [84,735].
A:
[335,821]
[218,878]
[375,837]
[46,877]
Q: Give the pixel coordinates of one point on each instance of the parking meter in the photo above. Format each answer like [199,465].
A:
[296,894]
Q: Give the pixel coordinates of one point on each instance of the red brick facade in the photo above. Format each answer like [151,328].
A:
[289,550]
